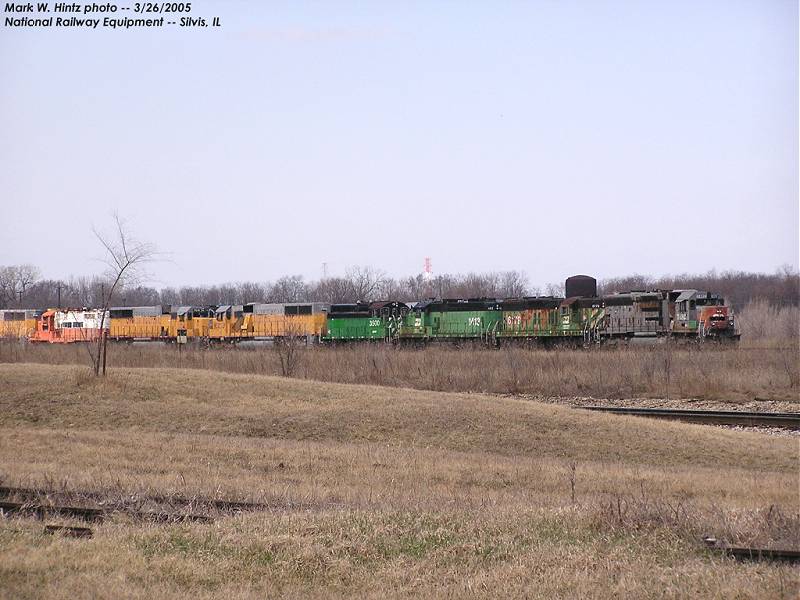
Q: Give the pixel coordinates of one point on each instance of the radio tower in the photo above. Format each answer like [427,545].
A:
[427,272]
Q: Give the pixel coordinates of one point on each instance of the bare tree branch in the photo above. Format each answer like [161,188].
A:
[125,258]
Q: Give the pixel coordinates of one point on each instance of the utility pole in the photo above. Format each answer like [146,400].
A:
[59,294]
[324,270]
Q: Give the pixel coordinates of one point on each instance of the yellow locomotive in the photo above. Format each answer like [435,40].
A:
[227,323]
[269,321]
[18,324]
[139,323]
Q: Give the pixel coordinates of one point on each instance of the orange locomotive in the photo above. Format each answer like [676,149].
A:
[70,325]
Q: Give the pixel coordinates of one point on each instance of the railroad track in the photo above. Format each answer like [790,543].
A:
[43,504]
[747,553]
[23,494]
[708,417]
[91,514]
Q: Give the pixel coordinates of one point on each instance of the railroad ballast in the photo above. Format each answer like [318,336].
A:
[582,317]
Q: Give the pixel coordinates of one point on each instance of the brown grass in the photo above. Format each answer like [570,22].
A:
[664,371]
[760,322]
[381,492]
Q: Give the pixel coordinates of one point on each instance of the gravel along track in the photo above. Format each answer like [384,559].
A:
[757,405]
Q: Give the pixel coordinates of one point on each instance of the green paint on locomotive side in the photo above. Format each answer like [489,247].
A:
[450,324]
[441,324]
[468,324]
[356,328]
[415,325]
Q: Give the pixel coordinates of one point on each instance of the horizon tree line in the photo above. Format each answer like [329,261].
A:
[21,286]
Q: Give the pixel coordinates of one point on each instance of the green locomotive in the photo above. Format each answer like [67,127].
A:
[582,317]
[452,321]
[365,322]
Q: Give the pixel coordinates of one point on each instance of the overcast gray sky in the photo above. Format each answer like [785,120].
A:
[552,137]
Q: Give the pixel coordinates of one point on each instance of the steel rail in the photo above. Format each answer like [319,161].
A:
[747,553]
[34,494]
[715,417]
[41,511]
[13,499]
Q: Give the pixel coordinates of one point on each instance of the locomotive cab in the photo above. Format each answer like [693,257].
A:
[703,314]
[46,327]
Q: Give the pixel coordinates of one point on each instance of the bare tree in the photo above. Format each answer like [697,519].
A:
[628,283]
[169,295]
[194,295]
[44,293]
[290,346]
[290,288]
[86,291]
[416,287]
[139,296]
[474,285]
[227,294]
[442,286]
[249,291]
[391,289]
[555,289]
[333,290]
[365,282]
[125,258]
[14,281]
[513,284]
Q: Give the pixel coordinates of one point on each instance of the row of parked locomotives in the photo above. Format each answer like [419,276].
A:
[580,318]
[228,323]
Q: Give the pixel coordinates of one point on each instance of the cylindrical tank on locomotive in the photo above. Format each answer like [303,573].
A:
[581,285]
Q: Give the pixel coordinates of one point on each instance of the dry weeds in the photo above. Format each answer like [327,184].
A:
[740,374]
[380,492]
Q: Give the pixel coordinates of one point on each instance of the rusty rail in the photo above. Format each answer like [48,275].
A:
[745,553]
[189,503]
[41,511]
[708,417]
[69,531]
[36,494]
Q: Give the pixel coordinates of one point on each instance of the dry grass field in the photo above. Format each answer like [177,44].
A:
[770,371]
[374,492]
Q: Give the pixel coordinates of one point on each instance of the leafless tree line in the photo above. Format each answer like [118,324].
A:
[781,288]
[16,282]
[20,287]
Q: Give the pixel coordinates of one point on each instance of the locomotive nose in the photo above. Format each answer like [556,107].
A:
[719,321]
